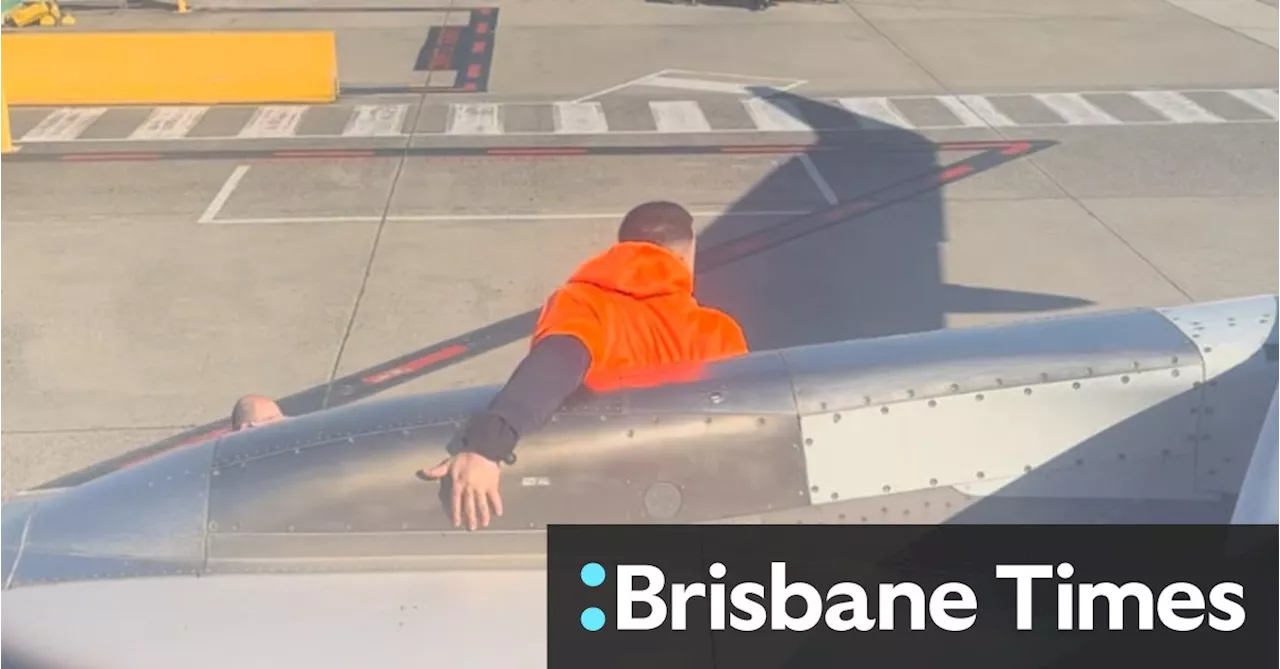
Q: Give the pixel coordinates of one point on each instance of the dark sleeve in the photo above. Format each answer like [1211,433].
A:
[551,372]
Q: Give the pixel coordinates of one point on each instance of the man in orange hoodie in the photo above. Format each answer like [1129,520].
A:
[628,308]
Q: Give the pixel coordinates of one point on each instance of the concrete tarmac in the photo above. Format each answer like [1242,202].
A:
[153,279]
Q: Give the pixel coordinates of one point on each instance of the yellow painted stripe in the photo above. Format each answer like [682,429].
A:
[154,68]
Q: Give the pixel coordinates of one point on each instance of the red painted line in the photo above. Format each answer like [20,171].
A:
[482,28]
[478,47]
[538,151]
[954,172]
[782,148]
[1020,147]
[449,36]
[473,71]
[89,157]
[964,146]
[469,86]
[415,365]
[321,153]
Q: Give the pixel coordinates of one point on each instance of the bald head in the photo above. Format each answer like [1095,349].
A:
[254,410]
[666,224]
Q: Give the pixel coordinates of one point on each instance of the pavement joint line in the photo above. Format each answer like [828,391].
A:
[405,153]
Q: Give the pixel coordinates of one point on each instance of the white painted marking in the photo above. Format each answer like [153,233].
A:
[169,123]
[220,200]
[475,119]
[985,109]
[376,121]
[678,116]
[64,124]
[875,113]
[442,218]
[621,86]
[700,85]
[274,121]
[580,118]
[1262,99]
[1176,107]
[968,116]
[1075,110]
[775,115]
[818,180]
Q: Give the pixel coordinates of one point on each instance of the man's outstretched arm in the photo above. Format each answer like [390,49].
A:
[552,371]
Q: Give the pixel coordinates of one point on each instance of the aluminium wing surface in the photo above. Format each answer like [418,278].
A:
[312,543]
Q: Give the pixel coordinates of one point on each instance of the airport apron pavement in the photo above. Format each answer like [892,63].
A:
[856,169]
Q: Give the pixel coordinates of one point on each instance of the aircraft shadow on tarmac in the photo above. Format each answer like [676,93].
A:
[867,266]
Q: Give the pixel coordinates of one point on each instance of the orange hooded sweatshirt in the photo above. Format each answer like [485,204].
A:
[632,307]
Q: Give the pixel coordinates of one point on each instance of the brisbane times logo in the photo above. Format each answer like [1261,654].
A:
[645,601]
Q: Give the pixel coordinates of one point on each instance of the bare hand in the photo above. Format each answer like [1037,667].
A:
[474,480]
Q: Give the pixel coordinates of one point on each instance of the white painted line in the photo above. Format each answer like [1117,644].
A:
[968,116]
[475,119]
[1262,99]
[220,200]
[376,121]
[169,123]
[274,121]
[875,113]
[818,180]
[678,116]
[620,86]
[445,218]
[1176,107]
[64,124]
[580,118]
[1075,110]
[775,116]
[727,75]
[700,85]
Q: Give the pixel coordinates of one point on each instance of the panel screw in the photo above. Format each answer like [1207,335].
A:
[708,420]
[823,405]
[981,475]
[979,397]
[1026,469]
[631,433]
[884,489]
[884,409]
[835,495]
[813,489]
[1124,379]
[1075,386]
[1026,391]
[911,393]
[1208,349]
[933,481]
[1176,373]
[760,421]
[955,387]
[835,418]
[808,441]
[932,404]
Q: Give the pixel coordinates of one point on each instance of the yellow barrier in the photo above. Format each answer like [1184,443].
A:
[148,68]
[6,142]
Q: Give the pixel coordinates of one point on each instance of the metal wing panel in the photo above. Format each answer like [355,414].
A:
[1043,440]
[869,373]
[142,521]
[1237,340]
